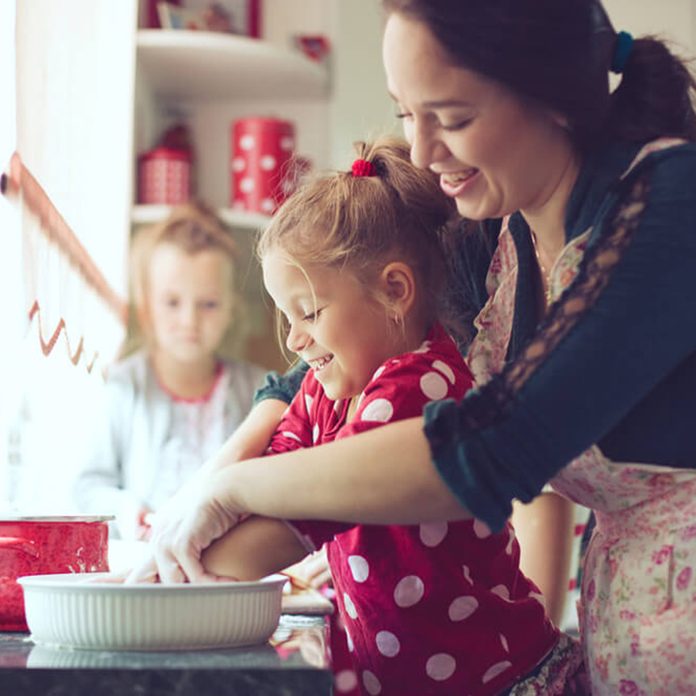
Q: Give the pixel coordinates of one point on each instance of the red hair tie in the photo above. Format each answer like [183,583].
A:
[362,167]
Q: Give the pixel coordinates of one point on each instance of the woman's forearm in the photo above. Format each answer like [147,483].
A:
[384,476]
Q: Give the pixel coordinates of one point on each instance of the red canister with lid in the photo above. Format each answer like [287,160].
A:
[164,176]
[262,149]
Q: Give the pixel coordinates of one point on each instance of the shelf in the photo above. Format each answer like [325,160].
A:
[182,65]
[148,214]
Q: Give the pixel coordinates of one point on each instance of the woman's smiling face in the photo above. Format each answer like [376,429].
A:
[495,153]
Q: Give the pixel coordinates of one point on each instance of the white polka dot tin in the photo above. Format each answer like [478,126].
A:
[263,168]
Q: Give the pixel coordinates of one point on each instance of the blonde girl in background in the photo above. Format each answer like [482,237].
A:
[173,402]
[354,267]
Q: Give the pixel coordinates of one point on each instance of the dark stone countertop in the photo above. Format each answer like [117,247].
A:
[293,663]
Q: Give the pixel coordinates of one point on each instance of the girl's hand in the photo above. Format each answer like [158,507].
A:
[312,570]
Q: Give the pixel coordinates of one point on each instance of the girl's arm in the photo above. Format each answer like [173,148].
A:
[544,530]
[251,438]
[253,549]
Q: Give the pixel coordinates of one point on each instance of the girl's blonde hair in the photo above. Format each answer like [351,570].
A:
[193,228]
[363,222]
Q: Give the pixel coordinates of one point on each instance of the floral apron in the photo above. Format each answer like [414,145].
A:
[637,611]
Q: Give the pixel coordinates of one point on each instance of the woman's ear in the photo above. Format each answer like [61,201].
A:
[397,283]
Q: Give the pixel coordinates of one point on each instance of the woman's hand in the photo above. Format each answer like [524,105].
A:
[182,530]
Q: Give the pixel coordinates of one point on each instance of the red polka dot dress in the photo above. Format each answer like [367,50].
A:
[436,608]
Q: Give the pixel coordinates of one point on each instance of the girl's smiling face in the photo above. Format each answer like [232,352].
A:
[334,324]
[494,152]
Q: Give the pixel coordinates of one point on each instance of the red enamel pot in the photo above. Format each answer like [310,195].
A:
[38,545]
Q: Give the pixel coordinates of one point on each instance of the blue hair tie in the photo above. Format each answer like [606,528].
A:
[622,50]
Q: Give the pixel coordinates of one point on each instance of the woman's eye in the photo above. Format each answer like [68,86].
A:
[210,304]
[402,115]
[456,126]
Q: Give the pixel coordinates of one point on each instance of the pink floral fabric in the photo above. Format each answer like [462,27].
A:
[638,608]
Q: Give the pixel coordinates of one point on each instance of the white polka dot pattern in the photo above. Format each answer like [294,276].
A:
[291,436]
[495,670]
[287,143]
[445,369]
[349,641]
[359,568]
[409,591]
[238,164]
[308,400]
[346,680]
[349,606]
[511,541]
[504,643]
[481,529]
[433,386]
[247,142]
[246,185]
[467,573]
[440,666]
[423,348]
[379,410]
[378,372]
[315,433]
[371,683]
[462,608]
[267,163]
[387,643]
[501,591]
[432,533]
[267,205]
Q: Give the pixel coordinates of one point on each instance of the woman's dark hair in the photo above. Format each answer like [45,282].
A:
[558,53]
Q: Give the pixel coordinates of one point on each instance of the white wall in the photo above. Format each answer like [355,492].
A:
[360,106]
[674,20]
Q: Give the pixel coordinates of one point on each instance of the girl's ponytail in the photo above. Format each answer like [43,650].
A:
[655,96]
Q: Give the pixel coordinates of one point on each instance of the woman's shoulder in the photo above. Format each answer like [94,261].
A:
[668,165]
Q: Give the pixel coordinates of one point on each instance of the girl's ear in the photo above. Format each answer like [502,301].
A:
[398,284]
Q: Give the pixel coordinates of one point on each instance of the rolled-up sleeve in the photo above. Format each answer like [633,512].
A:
[281,387]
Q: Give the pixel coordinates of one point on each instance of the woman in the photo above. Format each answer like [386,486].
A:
[586,348]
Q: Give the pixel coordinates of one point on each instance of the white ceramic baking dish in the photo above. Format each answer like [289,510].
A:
[86,611]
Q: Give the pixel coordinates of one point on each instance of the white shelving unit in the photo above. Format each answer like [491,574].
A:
[193,65]
[147,214]
[208,80]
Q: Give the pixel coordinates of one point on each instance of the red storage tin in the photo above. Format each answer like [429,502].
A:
[164,176]
[262,149]
[38,545]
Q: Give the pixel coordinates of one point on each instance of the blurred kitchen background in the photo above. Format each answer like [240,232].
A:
[119,109]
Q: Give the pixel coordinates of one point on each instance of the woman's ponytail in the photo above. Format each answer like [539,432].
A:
[655,96]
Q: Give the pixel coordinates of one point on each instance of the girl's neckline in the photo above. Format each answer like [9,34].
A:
[219,369]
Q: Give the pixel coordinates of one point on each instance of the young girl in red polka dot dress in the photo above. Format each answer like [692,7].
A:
[439,608]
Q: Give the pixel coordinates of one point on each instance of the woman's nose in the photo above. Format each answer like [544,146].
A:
[425,147]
